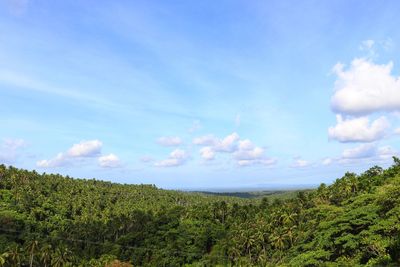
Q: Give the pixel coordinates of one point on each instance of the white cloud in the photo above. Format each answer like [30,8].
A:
[169,141]
[386,152]
[207,153]
[365,88]
[9,150]
[327,161]
[13,144]
[245,145]
[367,44]
[358,129]
[361,151]
[176,158]
[249,154]
[397,131]
[300,163]
[367,152]
[249,162]
[243,152]
[228,144]
[205,140]
[85,149]
[58,161]
[109,161]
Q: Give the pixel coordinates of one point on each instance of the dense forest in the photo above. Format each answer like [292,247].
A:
[51,220]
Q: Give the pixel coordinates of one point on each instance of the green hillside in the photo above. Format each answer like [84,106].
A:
[51,220]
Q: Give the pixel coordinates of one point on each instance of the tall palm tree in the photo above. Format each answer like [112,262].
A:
[32,248]
[45,255]
[15,256]
[62,257]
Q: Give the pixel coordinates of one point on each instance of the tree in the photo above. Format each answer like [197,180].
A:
[32,248]
[45,255]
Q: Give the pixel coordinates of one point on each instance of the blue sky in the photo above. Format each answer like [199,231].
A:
[199,94]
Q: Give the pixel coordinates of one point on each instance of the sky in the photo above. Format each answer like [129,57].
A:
[200,94]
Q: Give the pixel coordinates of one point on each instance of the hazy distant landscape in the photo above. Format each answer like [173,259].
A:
[270,194]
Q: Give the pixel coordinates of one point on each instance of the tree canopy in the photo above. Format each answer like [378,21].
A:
[52,220]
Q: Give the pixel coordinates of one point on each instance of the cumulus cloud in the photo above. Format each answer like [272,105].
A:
[243,152]
[397,131]
[58,161]
[207,153]
[109,161]
[248,151]
[228,144]
[365,87]
[169,141]
[358,129]
[80,151]
[89,148]
[176,158]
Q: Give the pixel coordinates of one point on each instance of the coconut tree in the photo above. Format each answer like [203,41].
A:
[32,248]
[15,256]
[45,255]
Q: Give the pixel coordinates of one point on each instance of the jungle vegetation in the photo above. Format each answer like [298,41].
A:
[52,220]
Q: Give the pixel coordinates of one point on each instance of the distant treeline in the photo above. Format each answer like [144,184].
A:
[52,220]
[256,194]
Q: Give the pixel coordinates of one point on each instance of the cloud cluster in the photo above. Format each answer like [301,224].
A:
[361,90]
[79,152]
[370,151]
[243,152]
[176,158]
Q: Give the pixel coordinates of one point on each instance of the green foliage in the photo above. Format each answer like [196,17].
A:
[51,220]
